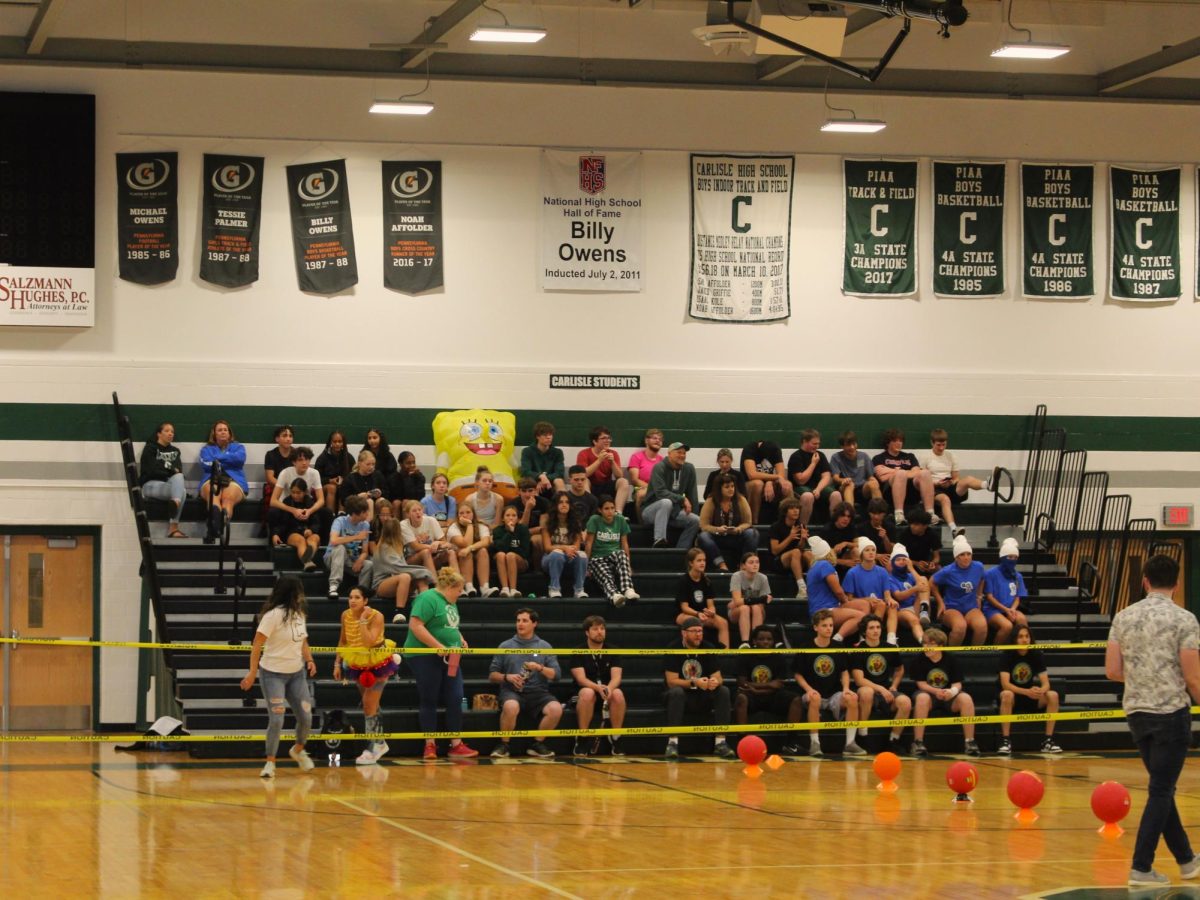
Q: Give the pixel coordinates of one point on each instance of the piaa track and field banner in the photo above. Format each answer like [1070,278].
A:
[1145,234]
[322,233]
[968,229]
[880,232]
[1056,231]
[741,237]
[592,237]
[147,217]
[232,192]
[412,226]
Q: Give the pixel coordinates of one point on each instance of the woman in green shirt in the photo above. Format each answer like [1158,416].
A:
[433,622]
[608,553]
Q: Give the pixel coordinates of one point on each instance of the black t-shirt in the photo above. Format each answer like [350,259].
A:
[902,460]
[597,667]
[822,671]
[941,674]
[921,548]
[703,663]
[330,465]
[695,594]
[711,484]
[356,483]
[780,531]
[876,667]
[865,530]
[584,505]
[405,486]
[1023,671]
[541,506]
[765,455]
[834,535]
[799,461]
[275,462]
[759,668]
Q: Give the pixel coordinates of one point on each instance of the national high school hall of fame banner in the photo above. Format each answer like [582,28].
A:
[412,226]
[322,233]
[147,217]
[1145,234]
[592,236]
[232,192]
[1056,231]
[968,229]
[880,199]
[741,237]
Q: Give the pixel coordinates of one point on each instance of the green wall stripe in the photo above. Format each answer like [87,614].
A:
[254,424]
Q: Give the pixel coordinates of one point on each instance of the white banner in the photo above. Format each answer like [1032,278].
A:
[47,295]
[592,237]
[741,233]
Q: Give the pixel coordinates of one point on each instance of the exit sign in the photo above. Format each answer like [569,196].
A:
[1177,514]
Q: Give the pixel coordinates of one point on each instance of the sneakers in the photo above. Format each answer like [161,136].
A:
[1048,746]
[918,750]
[900,520]
[923,617]
[430,750]
[660,543]
[1005,748]
[581,594]
[539,750]
[956,531]
[614,749]
[461,751]
[303,760]
[801,590]
[618,600]
[972,749]
[488,591]
[894,746]
[672,751]
[333,593]
[469,590]
[934,519]
[1152,877]
[367,757]
[853,749]
[268,770]
[399,618]
[792,750]
[631,594]
[814,751]
[724,751]
[554,593]
[582,746]
[744,645]
[1190,870]
[500,751]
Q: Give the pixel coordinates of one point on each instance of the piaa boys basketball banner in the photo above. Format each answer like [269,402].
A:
[1056,231]
[880,199]
[592,238]
[232,192]
[147,217]
[322,233]
[968,229]
[1145,234]
[741,237]
[412,226]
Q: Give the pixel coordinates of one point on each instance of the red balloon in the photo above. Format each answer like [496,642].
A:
[366,679]
[887,766]
[752,750]
[1025,790]
[962,778]
[1110,802]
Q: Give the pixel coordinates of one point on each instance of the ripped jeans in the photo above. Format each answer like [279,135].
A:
[292,688]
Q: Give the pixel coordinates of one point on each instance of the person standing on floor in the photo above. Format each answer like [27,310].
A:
[1152,650]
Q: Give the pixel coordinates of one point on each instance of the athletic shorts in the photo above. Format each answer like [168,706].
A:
[832,705]
[950,491]
[777,702]
[605,489]
[825,491]
[940,706]
[531,702]
[1023,704]
[994,613]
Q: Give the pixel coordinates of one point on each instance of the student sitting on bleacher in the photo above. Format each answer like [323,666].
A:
[488,504]
[876,677]
[695,684]
[750,593]
[471,540]
[868,587]
[562,545]
[512,551]
[223,449]
[583,502]
[825,590]
[726,525]
[385,462]
[294,527]
[923,542]
[852,473]
[901,474]
[300,469]
[841,534]
[531,507]
[672,498]
[766,476]
[392,570]
[1025,687]
[607,550]
[724,467]
[524,681]
[810,476]
[544,462]
[364,481]
[275,461]
[788,541]
[763,685]
[911,591]
[824,679]
[958,591]
[333,465]
[603,466]
[950,488]
[641,465]
[407,484]
[349,537]
[161,475]
[695,598]
[439,504]
[877,528]
[1003,591]
[939,682]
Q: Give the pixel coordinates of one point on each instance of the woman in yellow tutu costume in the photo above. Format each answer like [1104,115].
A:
[368,660]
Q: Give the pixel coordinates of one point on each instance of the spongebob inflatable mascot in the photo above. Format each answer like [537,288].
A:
[466,439]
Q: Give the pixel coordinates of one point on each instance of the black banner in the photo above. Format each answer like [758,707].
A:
[322,233]
[968,229]
[881,228]
[148,217]
[1145,234]
[1056,226]
[412,226]
[232,191]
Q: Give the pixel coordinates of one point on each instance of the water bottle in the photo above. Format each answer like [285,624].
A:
[604,710]
[465,706]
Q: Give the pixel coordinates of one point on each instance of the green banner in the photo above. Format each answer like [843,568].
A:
[968,229]
[881,228]
[1145,234]
[1056,229]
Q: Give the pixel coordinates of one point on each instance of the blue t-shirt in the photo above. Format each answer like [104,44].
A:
[902,582]
[342,526]
[820,596]
[1006,590]
[959,586]
[872,582]
[446,511]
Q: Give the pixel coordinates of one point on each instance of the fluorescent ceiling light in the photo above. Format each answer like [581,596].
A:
[1031,51]
[508,34]
[854,126]
[402,107]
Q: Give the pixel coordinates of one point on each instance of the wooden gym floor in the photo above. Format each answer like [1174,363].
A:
[88,821]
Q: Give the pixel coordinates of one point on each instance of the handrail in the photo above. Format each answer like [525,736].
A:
[998,477]
[239,594]
[1088,576]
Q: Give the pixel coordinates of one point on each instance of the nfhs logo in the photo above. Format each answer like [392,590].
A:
[148,174]
[593,177]
[823,665]
[876,664]
[412,183]
[317,185]
[233,177]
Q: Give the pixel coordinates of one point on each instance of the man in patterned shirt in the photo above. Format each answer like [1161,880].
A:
[1152,648]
